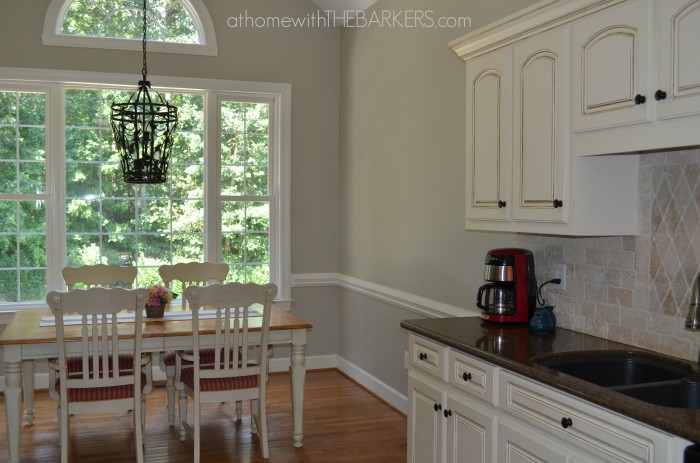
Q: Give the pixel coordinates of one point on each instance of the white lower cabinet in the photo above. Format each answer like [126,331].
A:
[470,431]
[472,411]
[517,445]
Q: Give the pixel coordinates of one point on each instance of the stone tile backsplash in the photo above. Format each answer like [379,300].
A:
[634,289]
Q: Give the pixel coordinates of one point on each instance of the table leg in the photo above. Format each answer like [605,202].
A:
[298,376]
[28,381]
[13,404]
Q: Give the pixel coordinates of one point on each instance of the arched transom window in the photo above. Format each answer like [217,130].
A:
[176,26]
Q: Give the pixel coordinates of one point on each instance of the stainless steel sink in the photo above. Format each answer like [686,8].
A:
[614,368]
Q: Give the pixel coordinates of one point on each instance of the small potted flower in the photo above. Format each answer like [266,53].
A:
[158,296]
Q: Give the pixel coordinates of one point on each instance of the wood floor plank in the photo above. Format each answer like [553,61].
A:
[343,423]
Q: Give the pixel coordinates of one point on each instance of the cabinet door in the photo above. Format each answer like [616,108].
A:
[471,432]
[610,67]
[425,421]
[515,445]
[489,110]
[540,158]
[677,56]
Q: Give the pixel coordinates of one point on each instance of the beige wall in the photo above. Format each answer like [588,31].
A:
[402,174]
[306,58]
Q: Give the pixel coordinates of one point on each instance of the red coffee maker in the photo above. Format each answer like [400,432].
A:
[510,295]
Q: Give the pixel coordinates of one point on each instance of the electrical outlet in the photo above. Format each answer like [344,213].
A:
[560,272]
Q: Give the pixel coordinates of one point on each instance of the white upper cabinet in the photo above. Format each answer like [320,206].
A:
[636,77]
[610,73]
[553,86]
[678,39]
[540,138]
[489,122]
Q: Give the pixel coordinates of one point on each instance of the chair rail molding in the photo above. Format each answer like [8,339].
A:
[405,300]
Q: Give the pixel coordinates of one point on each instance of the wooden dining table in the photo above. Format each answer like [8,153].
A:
[25,341]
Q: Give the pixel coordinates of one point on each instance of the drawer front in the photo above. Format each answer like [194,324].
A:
[473,376]
[427,356]
[589,427]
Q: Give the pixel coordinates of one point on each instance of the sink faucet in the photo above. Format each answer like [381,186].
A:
[692,322]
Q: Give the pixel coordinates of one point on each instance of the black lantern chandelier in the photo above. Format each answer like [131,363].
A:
[143,130]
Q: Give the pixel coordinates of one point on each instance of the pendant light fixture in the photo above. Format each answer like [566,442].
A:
[144,127]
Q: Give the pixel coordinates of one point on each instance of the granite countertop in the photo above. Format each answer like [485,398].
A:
[514,347]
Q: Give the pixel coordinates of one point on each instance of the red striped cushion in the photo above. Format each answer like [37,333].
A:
[219,384]
[206,357]
[95,394]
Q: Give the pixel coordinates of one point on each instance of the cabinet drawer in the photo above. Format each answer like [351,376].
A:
[427,356]
[597,431]
[473,376]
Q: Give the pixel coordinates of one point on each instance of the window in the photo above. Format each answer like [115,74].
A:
[227,198]
[112,222]
[22,195]
[245,198]
[174,26]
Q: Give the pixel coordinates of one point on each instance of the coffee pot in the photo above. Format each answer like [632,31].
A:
[510,294]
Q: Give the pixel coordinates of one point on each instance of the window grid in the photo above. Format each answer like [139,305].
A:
[22,198]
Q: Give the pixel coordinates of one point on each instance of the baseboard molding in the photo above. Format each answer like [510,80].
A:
[314,362]
[418,304]
[374,385]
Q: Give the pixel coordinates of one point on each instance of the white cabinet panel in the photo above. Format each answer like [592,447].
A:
[677,56]
[516,446]
[425,424]
[540,161]
[489,119]
[610,73]
[470,432]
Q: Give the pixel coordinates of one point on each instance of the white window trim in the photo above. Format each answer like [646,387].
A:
[56,12]
[279,93]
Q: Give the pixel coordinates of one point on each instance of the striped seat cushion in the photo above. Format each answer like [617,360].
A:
[219,384]
[206,357]
[75,363]
[95,394]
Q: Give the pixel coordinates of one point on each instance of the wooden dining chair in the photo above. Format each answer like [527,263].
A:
[105,381]
[231,377]
[184,275]
[99,275]
[89,276]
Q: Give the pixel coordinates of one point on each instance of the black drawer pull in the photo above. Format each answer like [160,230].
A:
[566,422]
[447,413]
[466,376]
[640,99]
[422,356]
[437,407]
[660,95]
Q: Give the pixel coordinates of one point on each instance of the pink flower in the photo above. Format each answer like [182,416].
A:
[159,294]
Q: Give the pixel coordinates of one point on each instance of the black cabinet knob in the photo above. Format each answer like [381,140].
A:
[640,99]
[557,203]
[447,413]
[422,356]
[466,376]
[566,422]
[437,407]
[501,204]
[660,95]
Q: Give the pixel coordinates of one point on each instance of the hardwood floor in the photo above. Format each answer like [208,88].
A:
[343,423]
